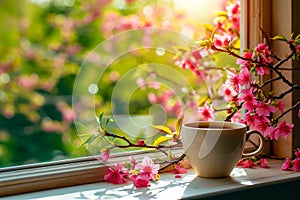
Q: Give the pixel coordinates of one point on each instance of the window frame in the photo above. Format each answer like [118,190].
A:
[275,17]
[70,172]
[41,176]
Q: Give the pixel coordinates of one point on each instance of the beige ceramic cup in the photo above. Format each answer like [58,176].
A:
[215,147]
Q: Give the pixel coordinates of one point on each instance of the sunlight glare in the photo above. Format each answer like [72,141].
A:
[200,10]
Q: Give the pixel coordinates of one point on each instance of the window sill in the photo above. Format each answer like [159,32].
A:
[259,183]
[58,174]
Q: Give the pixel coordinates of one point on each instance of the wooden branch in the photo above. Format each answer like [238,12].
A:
[294,87]
[131,144]
[285,112]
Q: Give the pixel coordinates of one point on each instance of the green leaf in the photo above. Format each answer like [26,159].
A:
[89,140]
[101,118]
[81,128]
[161,139]
[208,27]
[280,37]
[297,37]
[119,141]
[181,49]
[117,131]
[163,129]
[108,120]
[202,100]
[204,43]
[178,125]
[222,13]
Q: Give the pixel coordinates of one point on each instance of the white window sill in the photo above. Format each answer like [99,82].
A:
[258,183]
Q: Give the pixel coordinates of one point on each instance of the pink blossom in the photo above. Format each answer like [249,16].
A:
[263,163]
[282,129]
[132,162]
[52,126]
[154,85]
[206,112]
[269,130]
[244,77]
[262,48]
[296,165]
[121,167]
[189,64]
[286,165]
[66,110]
[233,14]
[29,81]
[177,176]
[141,181]
[236,117]
[233,80]
[148,168]
[249,119]
[261,124]
[178,169]
[141,142]
[248,99]
[229,94]
[233,9]
[166,100]
[264,53]
[141,83]
[245,63]
[115,176]
[264,109]
[185,63]
[298,49]
[245,163]
[221,41]
[262,70]
[105,155]
[153,98]
[226,92]
[196,54]
[280,105]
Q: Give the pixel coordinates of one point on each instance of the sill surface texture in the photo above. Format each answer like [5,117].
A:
[253,183]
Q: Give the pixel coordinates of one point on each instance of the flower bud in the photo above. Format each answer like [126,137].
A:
[141,142]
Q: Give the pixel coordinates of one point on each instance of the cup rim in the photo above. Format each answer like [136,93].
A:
[215,125]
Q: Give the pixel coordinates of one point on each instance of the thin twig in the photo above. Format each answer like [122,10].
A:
[269,81]
[173,162]
[131,144]
[277,65]
[253,143]
[285,112]
[294,87]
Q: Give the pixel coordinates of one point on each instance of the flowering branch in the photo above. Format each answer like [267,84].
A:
[269,81]
[288,110]
[239,90]
[277,65]
[140,144]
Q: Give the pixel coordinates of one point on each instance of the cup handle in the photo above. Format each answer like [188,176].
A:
[260,147]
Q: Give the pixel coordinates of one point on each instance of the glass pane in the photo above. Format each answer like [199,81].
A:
[45,43]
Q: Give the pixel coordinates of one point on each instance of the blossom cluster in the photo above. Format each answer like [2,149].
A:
[292,164]
[259,104]
[139,173]
[239,90]
[252,162]
[235,86]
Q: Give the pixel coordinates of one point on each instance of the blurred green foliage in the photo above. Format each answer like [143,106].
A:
[42,45]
